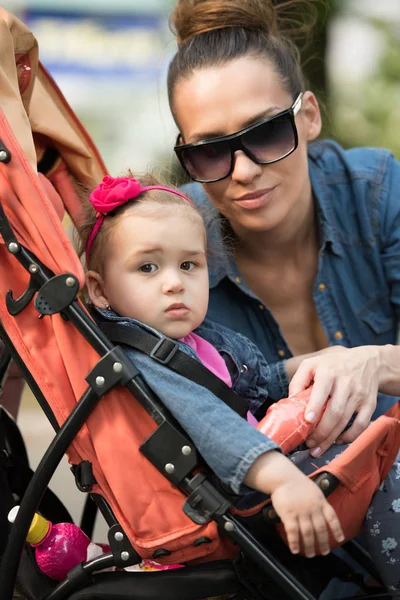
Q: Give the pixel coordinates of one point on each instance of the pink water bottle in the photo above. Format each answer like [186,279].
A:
[58,547]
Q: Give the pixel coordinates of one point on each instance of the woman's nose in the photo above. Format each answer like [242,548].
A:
[244,169]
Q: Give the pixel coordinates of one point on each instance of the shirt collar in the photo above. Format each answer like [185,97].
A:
[221,261]
[323,198]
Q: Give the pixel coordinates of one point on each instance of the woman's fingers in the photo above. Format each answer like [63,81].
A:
[360,423]
[302,379]
[335,418]
[321,390]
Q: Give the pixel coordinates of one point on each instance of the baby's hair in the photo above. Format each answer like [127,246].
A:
[95,260]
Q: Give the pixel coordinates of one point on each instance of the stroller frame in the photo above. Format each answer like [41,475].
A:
[168,448]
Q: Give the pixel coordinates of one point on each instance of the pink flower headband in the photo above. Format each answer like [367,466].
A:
[113,192]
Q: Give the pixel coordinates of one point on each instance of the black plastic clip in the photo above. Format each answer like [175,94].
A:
[205,501]
[84,478]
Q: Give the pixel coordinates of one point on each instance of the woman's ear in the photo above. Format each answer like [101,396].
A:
[312,114]
[96,289]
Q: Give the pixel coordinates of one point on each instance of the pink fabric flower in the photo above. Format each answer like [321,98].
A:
[113,192]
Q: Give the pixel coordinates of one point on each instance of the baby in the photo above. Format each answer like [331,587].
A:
[146,264]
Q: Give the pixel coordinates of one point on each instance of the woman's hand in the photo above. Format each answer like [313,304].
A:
[304,511]
[293,363]
[349,380]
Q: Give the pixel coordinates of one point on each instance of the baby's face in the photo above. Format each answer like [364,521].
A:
[156,271]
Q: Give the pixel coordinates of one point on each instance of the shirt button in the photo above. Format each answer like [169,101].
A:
[261,306]
[281,353]
[321,287]
[338,335]
[238,279]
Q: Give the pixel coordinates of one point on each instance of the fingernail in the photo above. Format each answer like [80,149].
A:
[310,417]
[311,443]
[326,552]
[316,452]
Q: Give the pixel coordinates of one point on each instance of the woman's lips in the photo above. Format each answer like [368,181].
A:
[255,200]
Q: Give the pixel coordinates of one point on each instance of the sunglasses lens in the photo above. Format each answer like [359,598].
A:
[207,162]
[271,140]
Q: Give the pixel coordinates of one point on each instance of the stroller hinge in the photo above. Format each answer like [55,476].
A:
[173,454]
[205,502]
[112,369]
[123,552]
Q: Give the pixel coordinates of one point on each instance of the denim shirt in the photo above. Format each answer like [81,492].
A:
[227,442]
[357,287]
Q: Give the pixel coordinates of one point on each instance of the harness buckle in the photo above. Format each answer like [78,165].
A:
[170,348]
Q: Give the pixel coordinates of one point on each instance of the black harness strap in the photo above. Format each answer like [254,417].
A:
[167,352]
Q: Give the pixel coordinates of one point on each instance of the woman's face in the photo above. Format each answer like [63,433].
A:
[222,100]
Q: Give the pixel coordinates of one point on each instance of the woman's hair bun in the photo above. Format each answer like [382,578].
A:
[194,17]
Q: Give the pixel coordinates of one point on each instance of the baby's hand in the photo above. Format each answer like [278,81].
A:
[306,516]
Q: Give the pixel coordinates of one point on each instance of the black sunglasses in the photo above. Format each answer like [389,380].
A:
[265,142]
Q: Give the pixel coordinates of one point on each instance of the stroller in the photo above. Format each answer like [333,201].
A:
[158,498]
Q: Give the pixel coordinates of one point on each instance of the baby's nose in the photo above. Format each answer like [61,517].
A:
[173,284]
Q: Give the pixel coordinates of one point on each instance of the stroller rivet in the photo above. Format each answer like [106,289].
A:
[100,381]
[271,514]
[33,268]
[119,536]
[229,526]
[324,484]
[3,155]
[125,556]
[186,450]
[117,367]
[70,281]
[169,467]
[13,247]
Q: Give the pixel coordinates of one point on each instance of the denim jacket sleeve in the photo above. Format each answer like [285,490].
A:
[387,210]
[252,377]
[228,444]
[260,380]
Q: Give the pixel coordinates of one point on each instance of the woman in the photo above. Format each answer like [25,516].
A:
[311,232]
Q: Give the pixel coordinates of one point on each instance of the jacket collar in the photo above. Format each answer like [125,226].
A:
[322,194]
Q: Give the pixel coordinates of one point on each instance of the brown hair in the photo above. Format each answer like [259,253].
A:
[97,252]
[214,32]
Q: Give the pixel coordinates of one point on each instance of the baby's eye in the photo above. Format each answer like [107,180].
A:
[187,265]
[148,268]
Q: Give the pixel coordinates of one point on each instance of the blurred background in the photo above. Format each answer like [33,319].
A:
[110,60]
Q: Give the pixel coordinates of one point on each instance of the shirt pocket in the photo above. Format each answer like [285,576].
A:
[380,320]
